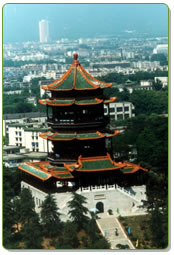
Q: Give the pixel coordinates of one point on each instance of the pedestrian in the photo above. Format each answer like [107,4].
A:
[116,231]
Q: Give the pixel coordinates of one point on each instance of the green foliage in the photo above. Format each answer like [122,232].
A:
[16,104]
[9,240]
[50,217]
[157,85]
[5,140]
[32,234]
[10,189]
[148,102]
[11,182]
[152,142]
[101,244]
[114,77]
[78,211]
[68,239]
[27,206]
[159,226]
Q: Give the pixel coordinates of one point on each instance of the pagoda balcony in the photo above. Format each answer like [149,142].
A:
[57,159]
[72,157]
[75,124]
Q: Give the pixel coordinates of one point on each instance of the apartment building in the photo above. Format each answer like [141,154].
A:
[120,110]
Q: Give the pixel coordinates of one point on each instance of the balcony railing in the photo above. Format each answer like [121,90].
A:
[78,123]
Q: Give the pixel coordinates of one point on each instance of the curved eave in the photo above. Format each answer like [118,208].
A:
[74,102]
[134,167]
[59,175]
[97,170]
[110,100]
[89,80]
[59,81]
[51,137]
[36,168]
[114,134]
[104,84]
[73,165]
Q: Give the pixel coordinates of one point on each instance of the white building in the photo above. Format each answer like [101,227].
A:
[146,83]
[22,118]
[143,65]
[43,31]
[27,135]
[120,110]
[161,49]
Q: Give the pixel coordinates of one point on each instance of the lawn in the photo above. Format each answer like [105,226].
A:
[139,230]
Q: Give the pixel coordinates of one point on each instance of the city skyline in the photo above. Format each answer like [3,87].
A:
[84,20]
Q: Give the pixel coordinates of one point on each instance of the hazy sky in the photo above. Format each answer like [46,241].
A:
[20,21]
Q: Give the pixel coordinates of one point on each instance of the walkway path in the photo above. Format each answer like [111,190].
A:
[107,225]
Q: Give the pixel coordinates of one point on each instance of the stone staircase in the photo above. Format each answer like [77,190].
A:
[107,225]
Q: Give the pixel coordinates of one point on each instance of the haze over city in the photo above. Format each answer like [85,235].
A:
[20,21]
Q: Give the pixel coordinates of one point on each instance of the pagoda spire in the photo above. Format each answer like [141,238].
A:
[75,62]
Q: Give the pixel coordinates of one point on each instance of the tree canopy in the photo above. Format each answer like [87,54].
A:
[50,217]
[77,210]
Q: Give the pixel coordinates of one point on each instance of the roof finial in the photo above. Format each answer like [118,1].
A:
[75,55]
[75,62]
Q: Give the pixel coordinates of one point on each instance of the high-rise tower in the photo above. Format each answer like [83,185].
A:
[43,31]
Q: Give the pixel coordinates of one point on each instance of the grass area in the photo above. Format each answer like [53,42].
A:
[140,230]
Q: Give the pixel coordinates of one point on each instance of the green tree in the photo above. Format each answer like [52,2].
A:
[159,227]
[148,102]
[50,217]
[32,233]
[68,239]
[5,140]
[10,189]
[78,211]
[157,85]
[152,142]
[8,225]
[27,206]
[101,243]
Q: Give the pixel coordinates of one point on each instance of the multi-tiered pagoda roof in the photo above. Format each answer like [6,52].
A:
[78,129]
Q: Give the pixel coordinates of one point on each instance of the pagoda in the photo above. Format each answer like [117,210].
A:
[79,135]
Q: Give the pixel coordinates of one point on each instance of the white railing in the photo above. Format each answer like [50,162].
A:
[127,192]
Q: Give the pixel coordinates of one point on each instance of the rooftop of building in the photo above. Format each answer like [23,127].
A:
[44,170]
[11,147]
[76,78]
[29,155]
[11,116]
